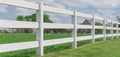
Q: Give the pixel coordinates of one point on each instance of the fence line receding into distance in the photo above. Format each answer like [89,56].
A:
[40,26]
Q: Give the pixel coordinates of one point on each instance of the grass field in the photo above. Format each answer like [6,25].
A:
[102,49]
[12,38]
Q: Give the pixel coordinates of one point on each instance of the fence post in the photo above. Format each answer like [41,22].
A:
[117,25]
[74,30]
[104,30]
[40,30]
[93,29]
[111,30]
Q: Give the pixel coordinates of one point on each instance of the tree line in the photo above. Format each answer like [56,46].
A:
[32,18]
[29,18]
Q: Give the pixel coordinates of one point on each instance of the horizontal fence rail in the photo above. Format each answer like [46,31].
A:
[18,46]
[20,3]
[40,26]
[57,26]
[17,24]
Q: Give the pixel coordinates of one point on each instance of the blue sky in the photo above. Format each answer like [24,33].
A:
[104,8]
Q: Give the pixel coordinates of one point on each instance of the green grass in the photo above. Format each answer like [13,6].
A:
[103,49]
[57,36]
[11,38]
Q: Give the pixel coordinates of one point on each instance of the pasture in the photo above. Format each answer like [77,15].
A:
[14,38]
[102,49]
[110,48]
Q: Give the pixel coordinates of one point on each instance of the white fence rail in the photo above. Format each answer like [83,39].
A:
[40,26]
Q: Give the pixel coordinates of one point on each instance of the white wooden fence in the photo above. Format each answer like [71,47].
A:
[40,26]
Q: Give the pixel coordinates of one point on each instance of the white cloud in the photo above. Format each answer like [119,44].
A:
[108,13]
[96,3]
[56,20]
[22,11]
[49,2]
[3,8]
[104,7]
[105,3]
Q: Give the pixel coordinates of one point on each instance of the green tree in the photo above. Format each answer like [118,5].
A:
[32,18]
[98,31]
[20,18]
[47,19]
[98,24]
[28,18]
[114,25]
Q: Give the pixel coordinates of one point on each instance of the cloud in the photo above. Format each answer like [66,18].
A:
[59,18]
[99,7]
[23,11]
[103,8]
[3,8]
[108,13]
[105,3]
[86,5]
[49,2]
[95,3]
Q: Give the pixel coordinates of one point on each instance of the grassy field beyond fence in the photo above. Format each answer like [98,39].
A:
[13,38]
[102,49]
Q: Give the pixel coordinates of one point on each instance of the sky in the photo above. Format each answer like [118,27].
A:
[104,8]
